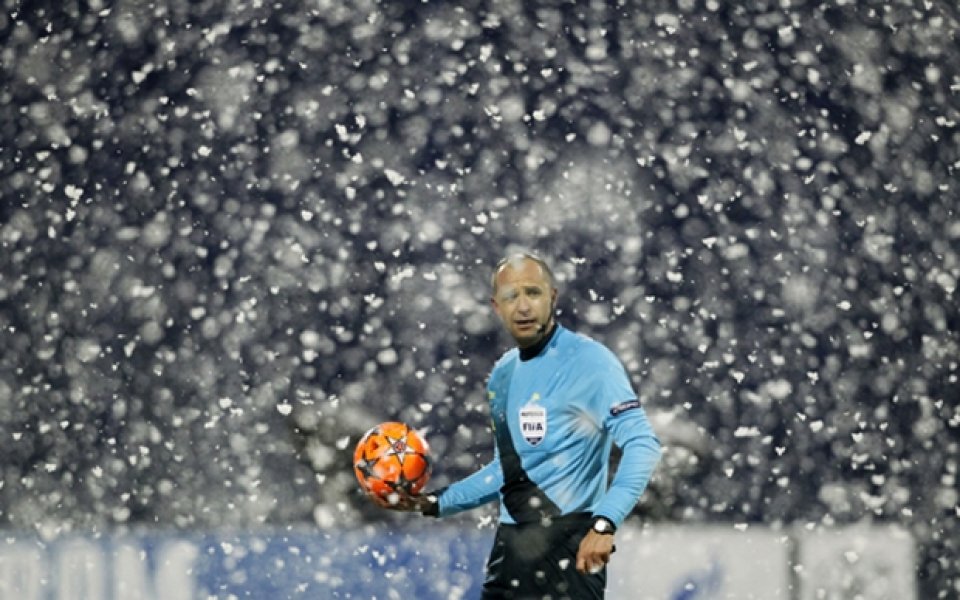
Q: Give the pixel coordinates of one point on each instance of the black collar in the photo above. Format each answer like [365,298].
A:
[534,350]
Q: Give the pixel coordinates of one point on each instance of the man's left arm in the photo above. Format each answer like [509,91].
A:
[640,447]
[619,411]
[627,423]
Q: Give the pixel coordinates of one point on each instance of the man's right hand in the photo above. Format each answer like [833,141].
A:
[403,501]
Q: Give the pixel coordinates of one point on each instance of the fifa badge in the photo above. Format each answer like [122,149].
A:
[533,422]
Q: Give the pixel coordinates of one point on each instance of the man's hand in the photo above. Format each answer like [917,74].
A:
[400,500]
[594,553]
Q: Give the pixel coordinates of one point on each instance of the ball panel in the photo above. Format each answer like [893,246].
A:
[378,486]
[414,467]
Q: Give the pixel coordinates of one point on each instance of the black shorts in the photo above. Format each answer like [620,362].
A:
[535,561]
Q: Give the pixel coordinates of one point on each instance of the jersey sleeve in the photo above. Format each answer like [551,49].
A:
[472,491]
[633,434]
[620,413]
[484,485]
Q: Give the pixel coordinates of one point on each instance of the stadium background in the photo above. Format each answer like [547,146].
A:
[236,234]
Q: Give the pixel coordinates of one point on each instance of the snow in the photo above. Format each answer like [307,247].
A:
[235,235]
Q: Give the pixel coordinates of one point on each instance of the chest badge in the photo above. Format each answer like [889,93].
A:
[533,421]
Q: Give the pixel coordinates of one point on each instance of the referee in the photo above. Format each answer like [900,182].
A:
[558,402]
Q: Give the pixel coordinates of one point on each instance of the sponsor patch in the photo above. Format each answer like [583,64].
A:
[533,423]
[624,407]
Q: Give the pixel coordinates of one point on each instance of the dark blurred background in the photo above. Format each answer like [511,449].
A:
[236,234]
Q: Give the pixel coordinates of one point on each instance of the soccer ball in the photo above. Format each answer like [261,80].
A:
[390,457]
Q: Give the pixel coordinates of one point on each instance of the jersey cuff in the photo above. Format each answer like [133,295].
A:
[432,507]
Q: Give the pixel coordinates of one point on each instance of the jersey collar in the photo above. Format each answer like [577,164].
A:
[535,350]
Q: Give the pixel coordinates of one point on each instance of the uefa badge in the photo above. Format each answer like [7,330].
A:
[533,423]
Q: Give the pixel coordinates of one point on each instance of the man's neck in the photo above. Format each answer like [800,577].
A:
[535,349]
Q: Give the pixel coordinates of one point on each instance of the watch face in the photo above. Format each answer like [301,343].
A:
[602,526]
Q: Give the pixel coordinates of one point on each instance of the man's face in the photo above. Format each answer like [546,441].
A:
[524,301]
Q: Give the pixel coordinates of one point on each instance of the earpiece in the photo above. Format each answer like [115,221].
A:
[542,328]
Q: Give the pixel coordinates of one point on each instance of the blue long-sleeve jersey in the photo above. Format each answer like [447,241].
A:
[555,418]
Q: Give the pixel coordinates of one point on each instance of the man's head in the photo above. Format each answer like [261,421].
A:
[524,297]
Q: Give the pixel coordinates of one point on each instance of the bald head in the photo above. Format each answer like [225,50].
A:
[524,297]
[516,262]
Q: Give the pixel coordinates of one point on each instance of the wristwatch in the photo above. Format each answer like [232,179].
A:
[603,526]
